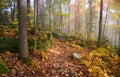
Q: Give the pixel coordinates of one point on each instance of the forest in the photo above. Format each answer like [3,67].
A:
[59,38]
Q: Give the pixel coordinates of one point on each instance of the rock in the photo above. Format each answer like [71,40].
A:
[76,56]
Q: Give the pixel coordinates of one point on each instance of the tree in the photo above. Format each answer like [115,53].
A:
[91,18]
[4,14]
[61,17]
[100,24]
[106,17]
[28,10]
[119,43]
[22,22]
[115,16]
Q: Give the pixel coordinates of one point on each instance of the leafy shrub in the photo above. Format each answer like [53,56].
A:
[3,30]
[4,68]
[101,62]
[43,44]
[12,25]
[31,45]
[41,55]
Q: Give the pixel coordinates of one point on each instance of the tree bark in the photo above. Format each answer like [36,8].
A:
[69,11]
[90,19]
[105,21]
[28,10]
[61,17]
[100,24]
[119,39]
[35,22]
[22,22]
[119,43]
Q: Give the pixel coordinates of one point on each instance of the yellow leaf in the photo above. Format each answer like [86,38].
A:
[90,70]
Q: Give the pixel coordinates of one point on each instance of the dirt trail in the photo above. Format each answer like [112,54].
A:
[60,63]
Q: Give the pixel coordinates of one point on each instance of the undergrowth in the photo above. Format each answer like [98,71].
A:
[4,68]
[102,63]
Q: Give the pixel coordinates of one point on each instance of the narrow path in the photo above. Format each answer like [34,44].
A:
[60,63]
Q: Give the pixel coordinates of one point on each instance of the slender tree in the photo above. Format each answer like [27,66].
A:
[35,21]
[61,17]
[119,37]
[90,18]
[100,24]
[22,22]
[28,10]
[69,17]
[105,18]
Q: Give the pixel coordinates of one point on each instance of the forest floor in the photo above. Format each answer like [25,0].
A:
[58,64]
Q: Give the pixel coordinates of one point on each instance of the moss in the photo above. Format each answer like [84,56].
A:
[4,68]
[8,44]
[43,44]
[49,35]
[27,61]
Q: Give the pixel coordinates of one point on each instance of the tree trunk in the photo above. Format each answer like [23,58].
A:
[90,19]
[76,17]
[37,14]
[100,24]
[35,22]
[13,12]
[28,11]
[48,3]
[119,39]
[79,24]
[61,17]
[69,11]
[119,43]
[106,17]
[22,22]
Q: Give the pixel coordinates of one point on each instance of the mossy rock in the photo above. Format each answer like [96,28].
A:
[4,68]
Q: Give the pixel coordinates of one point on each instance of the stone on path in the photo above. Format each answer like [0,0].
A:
[76,56]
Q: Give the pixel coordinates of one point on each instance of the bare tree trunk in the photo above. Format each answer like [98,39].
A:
[35,21]
[119,43]
[115,31]
[61,17]
[90,19]
[49,12]
[119,38]
[22,22]
[78,17]
[13,11]
[86,27]
[69,18]
[100,24]
[37,10]
[106,17]
[75,17]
